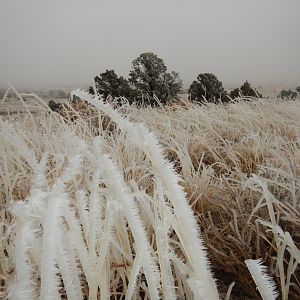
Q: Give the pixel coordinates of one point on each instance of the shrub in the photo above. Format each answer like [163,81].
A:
[207,87]
[54,106]
[245,90]
[109,84]
[289,94]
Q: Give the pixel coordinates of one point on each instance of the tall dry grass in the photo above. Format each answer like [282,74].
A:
[77,226]
[240,165]
[91,206]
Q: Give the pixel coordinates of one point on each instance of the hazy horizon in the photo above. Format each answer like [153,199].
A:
[65,44]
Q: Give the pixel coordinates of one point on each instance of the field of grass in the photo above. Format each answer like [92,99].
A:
[140,203]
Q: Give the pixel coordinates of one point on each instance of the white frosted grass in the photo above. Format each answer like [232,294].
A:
[82,205]
[282,240]
[52,234]
[265,283]
[114,181]
[89,225]
[31,213]
[133,277]
[188,233]
[56,259]
[69,269]
[163,248]
[52,224]
[22,286]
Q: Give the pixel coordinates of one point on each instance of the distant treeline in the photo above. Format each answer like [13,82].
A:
[44,94]
[149,82]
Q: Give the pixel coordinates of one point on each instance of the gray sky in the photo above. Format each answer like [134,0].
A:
[61,43]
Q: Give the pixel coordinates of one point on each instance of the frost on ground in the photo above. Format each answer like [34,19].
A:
[94,211]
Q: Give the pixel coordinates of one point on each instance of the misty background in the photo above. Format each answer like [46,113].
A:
[66,43]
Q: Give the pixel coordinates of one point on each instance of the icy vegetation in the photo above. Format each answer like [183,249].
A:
[128,203]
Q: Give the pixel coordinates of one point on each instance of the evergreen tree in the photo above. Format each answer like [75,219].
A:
[207,87]
[245,90]
[150,78]
[109,84]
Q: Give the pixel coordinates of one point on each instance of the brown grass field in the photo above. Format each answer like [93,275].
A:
[239,168]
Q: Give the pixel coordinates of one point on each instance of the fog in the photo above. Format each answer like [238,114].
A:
[65,43]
